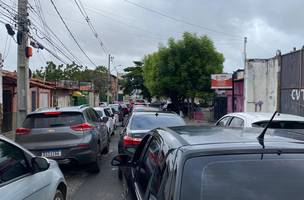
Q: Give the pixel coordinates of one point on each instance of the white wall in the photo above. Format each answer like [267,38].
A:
[63,98]
[261,85]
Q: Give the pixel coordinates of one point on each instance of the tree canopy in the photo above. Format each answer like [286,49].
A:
[53,72]
[182,69]
[133,80]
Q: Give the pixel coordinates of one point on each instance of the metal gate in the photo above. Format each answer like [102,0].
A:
[292,83]
[220,107]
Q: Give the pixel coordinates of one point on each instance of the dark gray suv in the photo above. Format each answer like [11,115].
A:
[65,134]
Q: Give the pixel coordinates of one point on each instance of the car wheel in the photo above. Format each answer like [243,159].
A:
[119,174]
[106,149]
[95,168]
[59,195]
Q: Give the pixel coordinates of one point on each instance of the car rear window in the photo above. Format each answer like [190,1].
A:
[42,120]
[281,124]
[268,177]
[151,121]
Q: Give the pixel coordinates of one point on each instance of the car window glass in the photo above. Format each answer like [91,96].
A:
[236,122]
[223,122]
[107,113]
[147,166]
[12,162]
[99,112]
[152,121]
[95,116]
[46,121]
[88,116]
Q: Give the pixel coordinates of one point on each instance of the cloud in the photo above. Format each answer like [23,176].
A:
[129,32]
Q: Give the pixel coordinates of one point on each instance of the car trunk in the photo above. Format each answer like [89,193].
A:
[51,131]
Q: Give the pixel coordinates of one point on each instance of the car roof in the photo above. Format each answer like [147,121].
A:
[203,137]
[262,116]
[61,109]
[99,108]
[148,112]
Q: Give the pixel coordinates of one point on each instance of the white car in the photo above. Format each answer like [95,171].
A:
[258,119]
[115,116]
[106,117]
[25,176]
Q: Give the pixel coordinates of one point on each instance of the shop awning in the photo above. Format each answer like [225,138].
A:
[77,94]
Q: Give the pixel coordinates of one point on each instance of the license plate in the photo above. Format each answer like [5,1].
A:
[51,154]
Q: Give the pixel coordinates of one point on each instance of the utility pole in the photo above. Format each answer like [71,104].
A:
[109,78]
[22,62]
[245,75]
[1,93]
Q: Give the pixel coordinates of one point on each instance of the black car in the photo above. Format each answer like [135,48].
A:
[214,163]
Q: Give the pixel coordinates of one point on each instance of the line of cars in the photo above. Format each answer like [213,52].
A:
[225,161]
[68,135]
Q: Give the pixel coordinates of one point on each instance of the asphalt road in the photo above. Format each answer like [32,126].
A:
[85,186]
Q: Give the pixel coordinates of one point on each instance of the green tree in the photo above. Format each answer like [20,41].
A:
[181,70]
[134,80]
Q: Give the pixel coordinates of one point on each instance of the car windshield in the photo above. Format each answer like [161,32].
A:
[151,121]
[267,177]
[281,124]
[46,121]
[115,107]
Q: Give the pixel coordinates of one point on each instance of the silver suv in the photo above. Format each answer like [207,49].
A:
[66,135]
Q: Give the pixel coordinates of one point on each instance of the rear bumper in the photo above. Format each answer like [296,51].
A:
[71,155]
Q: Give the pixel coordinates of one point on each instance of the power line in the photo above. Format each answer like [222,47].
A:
[126,24]
[178,19]
[58,39]
[87,19]
[72,34]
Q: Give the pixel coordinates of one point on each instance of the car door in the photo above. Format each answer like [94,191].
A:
[147,168]
[16,179]
[101,128]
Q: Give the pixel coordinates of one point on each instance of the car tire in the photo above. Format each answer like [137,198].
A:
[106,149]
[95,168]
[119,172]
[59,195]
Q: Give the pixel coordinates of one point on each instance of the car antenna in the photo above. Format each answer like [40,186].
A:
[262,135]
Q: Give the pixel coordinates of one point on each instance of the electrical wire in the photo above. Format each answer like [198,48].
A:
[49,32]
[179,20]
[87,19]
[72,35]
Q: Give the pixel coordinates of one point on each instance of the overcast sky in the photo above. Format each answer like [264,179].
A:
[129,32]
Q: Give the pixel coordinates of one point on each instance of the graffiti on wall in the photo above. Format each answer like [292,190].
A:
[297,94]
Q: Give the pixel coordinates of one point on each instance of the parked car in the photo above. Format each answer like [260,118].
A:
[107,118]
[257,119]
[25,176]
[197,162]
[139,124]
[70,134]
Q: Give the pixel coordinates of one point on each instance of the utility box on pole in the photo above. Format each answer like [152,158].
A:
[22,62]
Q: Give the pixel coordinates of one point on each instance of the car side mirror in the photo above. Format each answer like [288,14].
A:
[39,164]
[121,160]
[104,119]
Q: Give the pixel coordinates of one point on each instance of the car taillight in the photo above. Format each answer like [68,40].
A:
[81,127]
[22,131]
[131,140]
[52,113]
